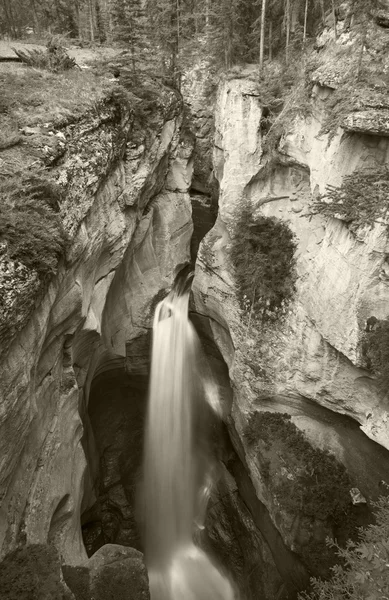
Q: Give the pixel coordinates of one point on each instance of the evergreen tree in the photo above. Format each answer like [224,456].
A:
[164,17]
[130,27]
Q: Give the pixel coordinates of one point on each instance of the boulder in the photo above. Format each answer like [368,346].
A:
[118,573]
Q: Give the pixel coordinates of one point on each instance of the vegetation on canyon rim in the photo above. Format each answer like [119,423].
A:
[262,254]
[54,58]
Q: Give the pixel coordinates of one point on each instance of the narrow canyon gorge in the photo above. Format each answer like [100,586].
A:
[302,448]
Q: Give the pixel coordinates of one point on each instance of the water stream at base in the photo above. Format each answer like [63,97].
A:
[177,466]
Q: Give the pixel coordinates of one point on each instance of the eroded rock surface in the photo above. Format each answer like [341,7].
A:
[311,357]
[127,212]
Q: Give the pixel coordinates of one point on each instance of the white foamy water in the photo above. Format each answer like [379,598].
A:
[176,466]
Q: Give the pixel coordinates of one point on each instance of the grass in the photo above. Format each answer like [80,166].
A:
[33,97]
[29,222]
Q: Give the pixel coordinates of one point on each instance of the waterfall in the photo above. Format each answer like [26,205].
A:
[177,469]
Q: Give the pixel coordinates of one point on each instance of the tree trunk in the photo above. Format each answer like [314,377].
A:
[174,24]
[359,68]
[323,14]
[91,23]
[270,40]
[9,19]
[294,15]
[305,21]
[262,39]
[35,17]
[287,24]
[334,18]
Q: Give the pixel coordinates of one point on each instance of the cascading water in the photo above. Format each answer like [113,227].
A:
[176,464]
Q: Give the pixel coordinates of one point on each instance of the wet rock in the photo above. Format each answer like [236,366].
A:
[114,572]
[118,573]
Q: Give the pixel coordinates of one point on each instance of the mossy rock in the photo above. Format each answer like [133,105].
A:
[33,573]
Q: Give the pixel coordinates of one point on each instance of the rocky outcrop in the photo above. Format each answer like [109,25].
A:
[112,572]
[127,212]
[371,122]
[198,91]
[308,364]
[33,572]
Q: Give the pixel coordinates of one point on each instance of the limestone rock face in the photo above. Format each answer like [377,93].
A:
[129,233]
[309,363]
[372,122]
[196,89]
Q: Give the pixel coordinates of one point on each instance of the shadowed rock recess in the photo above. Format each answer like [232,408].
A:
[302,448]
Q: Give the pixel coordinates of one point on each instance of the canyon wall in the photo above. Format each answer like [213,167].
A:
[306,368]
[127,214]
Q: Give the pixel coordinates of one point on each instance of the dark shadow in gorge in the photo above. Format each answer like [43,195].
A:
[117,407]
[239,532]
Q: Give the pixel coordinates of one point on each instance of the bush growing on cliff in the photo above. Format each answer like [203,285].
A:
[315,485]
[375,349]
[365,574]
[361,199]
[29,222]
[323,489]
[262,254]
[284,100]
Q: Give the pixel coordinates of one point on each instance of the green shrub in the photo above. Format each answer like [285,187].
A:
[29,222]
[262,255]
[323,489]
[365,574]
[318,486]
[361,199]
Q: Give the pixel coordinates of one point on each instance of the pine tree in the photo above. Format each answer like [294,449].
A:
[165,23]
[130,27]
